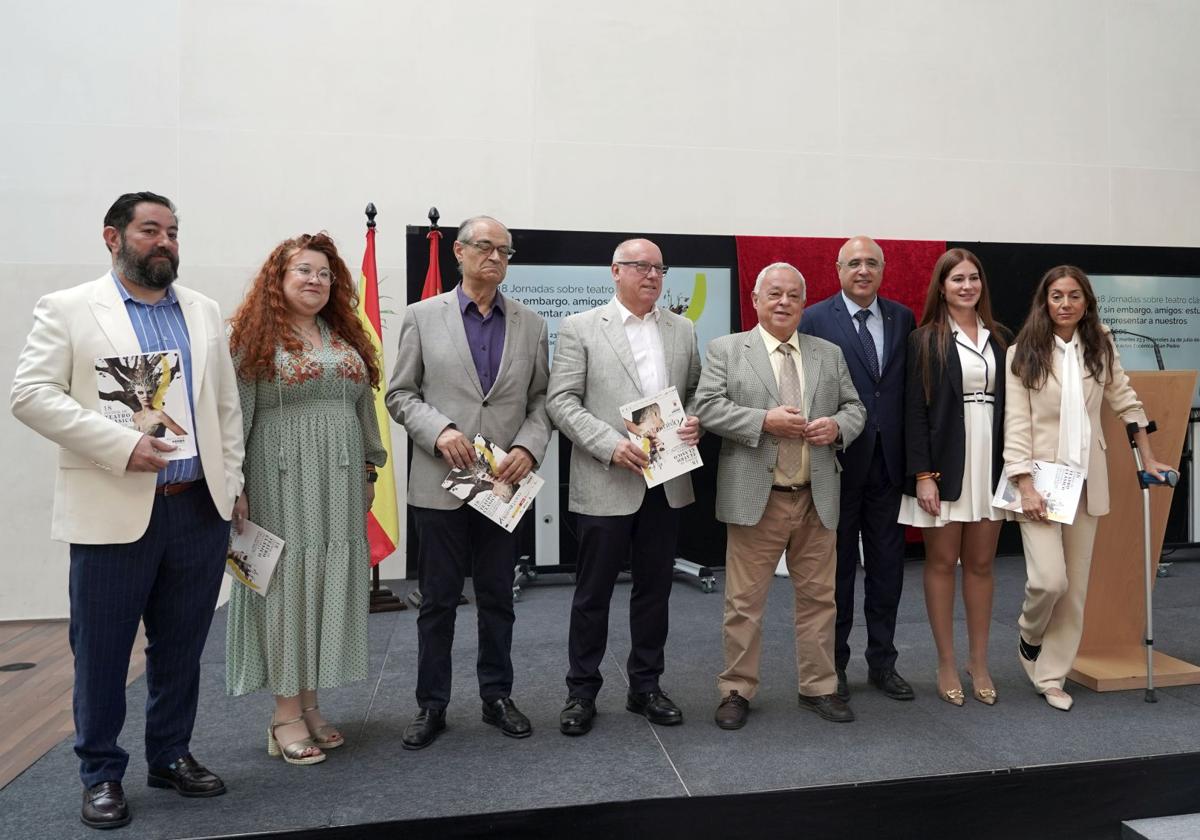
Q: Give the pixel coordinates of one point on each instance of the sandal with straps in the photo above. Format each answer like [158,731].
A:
[326,736]
[293,753]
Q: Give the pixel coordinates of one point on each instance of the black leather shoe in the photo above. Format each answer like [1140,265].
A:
[843,689]
[424,728]
[104,806]
[890,683]
[503,713]
[828,706]
[655,706]
[576,716]
[188,776]
[732,711]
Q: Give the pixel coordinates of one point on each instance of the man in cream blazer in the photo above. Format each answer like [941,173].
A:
[778,483]
[607,357]
[472,361]
[148,536]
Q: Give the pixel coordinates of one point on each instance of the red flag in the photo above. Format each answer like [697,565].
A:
[383,520]
[433,275]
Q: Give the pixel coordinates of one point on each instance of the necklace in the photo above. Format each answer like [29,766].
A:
[310,335]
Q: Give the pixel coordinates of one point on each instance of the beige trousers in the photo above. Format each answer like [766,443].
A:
[1058,559]
[789,522]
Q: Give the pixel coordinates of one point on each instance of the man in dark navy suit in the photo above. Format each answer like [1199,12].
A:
[873,334]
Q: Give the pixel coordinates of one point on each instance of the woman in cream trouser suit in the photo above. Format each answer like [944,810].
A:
[1061,366]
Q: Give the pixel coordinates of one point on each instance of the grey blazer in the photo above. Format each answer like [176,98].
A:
[434,385]
[738,388]
[594,374]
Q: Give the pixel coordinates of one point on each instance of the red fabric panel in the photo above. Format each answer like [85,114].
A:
[908,265]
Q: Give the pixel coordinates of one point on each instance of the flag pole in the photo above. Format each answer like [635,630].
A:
[382,598]
[434,236]
[431,288]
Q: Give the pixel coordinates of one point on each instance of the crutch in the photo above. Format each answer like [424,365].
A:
[1146,480]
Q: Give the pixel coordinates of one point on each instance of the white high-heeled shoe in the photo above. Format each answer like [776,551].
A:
[1060,700]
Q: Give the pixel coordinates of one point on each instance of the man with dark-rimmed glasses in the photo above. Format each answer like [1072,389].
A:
[606,357]
[472,361]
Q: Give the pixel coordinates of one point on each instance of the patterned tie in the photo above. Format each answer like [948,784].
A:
[791,452]
[868,342]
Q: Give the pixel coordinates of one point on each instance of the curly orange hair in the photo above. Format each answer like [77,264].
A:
[261,323]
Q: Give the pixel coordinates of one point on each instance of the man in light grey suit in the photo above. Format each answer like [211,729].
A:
[472,361]
[606,357]
[783,402]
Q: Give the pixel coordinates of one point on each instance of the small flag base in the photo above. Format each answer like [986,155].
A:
[382,598]
[415,599]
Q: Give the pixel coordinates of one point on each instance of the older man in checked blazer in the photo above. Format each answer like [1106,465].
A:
[784,402]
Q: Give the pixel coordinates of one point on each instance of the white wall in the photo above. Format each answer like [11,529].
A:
[1024,120]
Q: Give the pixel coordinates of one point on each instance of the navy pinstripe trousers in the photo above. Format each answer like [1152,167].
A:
[169,578]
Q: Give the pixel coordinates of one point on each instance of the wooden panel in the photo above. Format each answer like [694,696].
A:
[1115,613]
[35,704]
[1124,668]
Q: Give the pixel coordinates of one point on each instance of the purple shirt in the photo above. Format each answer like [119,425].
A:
[485,336]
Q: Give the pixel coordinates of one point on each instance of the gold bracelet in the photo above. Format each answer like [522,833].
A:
[933,475]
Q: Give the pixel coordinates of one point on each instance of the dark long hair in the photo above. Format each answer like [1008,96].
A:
[934,337]
[1033,360]
[260,323]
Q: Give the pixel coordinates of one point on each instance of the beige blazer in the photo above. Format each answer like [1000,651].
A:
[738,388]
[55,393]
[593,375]
[1031,423]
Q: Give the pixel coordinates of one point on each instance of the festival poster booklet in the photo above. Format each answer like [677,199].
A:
[499,501]
[1059,485]
[147,392]
[653,424]
[252,556]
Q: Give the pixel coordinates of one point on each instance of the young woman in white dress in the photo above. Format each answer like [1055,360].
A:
[954,410]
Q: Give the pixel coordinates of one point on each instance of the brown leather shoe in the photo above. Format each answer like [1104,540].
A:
[828,706]
[732,711]
[104,806]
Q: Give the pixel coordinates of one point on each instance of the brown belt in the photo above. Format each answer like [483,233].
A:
[788,488]
[175,489]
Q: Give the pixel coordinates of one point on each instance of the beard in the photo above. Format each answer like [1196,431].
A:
[156,270]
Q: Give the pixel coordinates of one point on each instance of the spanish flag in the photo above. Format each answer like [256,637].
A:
[383,520]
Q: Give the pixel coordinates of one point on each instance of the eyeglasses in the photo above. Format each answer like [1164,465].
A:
[486,247]
[644,268]
[872,264]
[306,272]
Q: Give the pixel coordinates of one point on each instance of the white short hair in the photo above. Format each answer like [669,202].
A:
[758,280]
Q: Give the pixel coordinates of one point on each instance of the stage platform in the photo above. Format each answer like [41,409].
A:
[918,769]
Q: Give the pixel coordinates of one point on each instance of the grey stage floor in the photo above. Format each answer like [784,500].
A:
[473,769]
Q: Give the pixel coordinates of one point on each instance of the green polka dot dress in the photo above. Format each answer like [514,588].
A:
[308,433]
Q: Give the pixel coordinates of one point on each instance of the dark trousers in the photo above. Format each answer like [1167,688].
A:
[453,543]
[169,579]
[647,539]
[870,508]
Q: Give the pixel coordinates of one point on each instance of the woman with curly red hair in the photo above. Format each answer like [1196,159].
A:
[306,369]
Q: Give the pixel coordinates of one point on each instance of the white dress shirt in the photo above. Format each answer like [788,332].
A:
[646,343]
